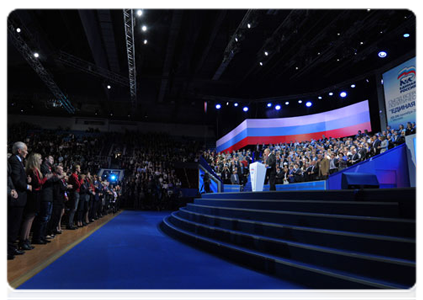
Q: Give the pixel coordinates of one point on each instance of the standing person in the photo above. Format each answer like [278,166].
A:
[46,204]
[11,195]
[323,166]
[74,181]
[271,165]
[33,204]
[16,203]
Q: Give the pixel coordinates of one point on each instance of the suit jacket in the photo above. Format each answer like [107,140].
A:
[18,176]
[234,179]
[10,185]
[271,162]
[324,167]
[376,144]
[48,185]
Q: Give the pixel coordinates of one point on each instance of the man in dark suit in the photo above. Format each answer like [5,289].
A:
[271,165]
[235,177]
[16,205]
[375,145]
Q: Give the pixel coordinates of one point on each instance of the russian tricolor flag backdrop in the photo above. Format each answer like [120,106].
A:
[336,123]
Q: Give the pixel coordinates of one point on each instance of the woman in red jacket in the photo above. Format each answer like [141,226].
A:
[37,180]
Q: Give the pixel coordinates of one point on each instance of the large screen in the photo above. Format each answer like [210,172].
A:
[336,123]
[399,85]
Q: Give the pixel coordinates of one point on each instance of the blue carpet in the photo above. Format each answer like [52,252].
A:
[130,252]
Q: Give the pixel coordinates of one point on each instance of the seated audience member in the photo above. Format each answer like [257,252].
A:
[384,144]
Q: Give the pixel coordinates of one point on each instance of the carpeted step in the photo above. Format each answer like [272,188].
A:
[382,268]
[358,208]
[395,247]
[371,225]
[311,275]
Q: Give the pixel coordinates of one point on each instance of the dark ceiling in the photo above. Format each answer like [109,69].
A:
[191,56]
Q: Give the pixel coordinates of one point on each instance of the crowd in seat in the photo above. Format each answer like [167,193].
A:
[307,160]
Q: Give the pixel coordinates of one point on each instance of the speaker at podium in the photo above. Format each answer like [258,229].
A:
[257,176]
[359,181]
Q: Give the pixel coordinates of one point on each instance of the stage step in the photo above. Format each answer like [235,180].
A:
[364,224]
[395,247]
[359,208]
[380,267]
[308,274]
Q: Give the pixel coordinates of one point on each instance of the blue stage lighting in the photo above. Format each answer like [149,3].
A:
[218,106]
[300,101]
[235,104]
[269,104]
[382,54]
[278,107]
[343,94]
[308,104]
[245,108]
[352,86]
[286,103]
[406,35]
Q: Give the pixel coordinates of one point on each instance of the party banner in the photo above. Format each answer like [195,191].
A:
[400,94]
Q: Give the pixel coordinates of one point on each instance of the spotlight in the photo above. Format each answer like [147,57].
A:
[235,104]
[36,55]
[18,30]
[406,35]
[145,42]
[381,81]
[278,107]
[382,54]
[320,97]
[296,68]
[109,87]
[286,103]
[367,80]
[343,94]
[236,39]
[249,25]
[227,103]
[144,28]
[218,106]
[269,104]
[261,63]
[245,108]
[330,94]
[111,114]
[300,101]
[352,86]
[266,53]
[308,104]
[139,13]
[361,43]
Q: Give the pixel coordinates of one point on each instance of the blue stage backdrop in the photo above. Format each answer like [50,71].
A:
[390,167]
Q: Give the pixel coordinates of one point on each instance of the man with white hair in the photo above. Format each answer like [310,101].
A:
[15,206]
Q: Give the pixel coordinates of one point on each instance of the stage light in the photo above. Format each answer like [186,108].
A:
[300,101]
[109,87]
[245,108]
[145,42]
[381,81]
[261,63]
[236,39]
[269,104]
[36,55]
[330,94]
[266,53]
[382,54]
[111,114]
[406,35]
[112,177]
[249,25]
[218,106]
[235,104]
[278,107]
[18,30]
[286,103]
[320,97]
[352,86]
[139,13]
[308,104]
[296,68]
[361,43]
[367,80]
[144,28]
[227,103]
[343,94]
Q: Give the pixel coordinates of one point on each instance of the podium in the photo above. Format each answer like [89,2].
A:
[257,176]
